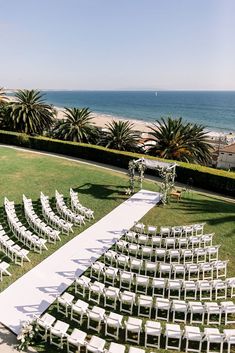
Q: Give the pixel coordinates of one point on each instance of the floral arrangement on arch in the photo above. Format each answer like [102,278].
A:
[26,334]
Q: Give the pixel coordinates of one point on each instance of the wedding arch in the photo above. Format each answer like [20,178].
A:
[166,170]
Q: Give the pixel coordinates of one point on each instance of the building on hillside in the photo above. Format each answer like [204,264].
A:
[226,157]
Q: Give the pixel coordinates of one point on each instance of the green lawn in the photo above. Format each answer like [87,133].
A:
[102,190]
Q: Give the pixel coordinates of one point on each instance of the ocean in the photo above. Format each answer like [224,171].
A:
[214,109]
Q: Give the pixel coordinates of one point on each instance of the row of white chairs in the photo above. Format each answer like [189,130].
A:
[40,227]
[186,256]
[77,207]
[202,288]
[65,212]
[166,231]
[11,249]
[206,270]
[112,296]
[53,219]
[57,332]
[183,242]
[4,269]
[24,235]
[134,327]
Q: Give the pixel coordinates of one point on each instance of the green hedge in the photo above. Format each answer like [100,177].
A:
[207,178]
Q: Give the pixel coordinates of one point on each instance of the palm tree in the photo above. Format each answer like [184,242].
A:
[120,136]
[77,126]
[3,96]
[180,141]
[29,113]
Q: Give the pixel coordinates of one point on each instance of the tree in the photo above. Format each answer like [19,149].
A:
[77,126]
[120,136]
[3,96]
[29,112]
[180,141]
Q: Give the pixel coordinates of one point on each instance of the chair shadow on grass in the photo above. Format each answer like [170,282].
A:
[213,212]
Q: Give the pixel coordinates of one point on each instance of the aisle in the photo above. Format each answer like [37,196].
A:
[34,292]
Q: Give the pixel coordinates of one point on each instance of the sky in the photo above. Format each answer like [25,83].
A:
[118,44]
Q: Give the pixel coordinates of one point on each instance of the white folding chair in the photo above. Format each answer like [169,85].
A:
[58,333]
[122,261]
[110,257]
[44,323]
[160,255]
[97,270]
[213,313]
[141,284]
[145,304]
[187,256]
[213,336]
[213,253]
[165,231]
[133,328]
[205,290]
[179,309]
[152,330]
[173,333]
[139,227]
[221,268]
[231,285]
[116,348]
[197,312]
[174,288]
[228,309]
[78,310]
[193,271]
[136,265]
[220,289]
[132,249]
[162,309]
[165,270]
[192,334]
[76,339]
[229,338]
[96,290]
[64,302]
[113,323]
[81,285]
[95,318]
[151,230]
[127,301]
[190,290]
[200,254]
[95,345]
[178,271]
[174,256]
[111,296]
[158,287]
[207,271]
[126,279]
[150,268]
[110,275]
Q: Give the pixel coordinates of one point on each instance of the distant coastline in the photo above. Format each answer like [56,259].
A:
[213,109]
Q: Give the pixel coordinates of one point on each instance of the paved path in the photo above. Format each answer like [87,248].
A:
[33,293]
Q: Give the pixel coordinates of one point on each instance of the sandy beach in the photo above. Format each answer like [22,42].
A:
[144,127]
[101,119]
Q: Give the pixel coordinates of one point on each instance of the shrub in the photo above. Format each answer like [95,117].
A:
[204,177]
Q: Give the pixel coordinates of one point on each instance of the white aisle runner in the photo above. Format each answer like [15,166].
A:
[33,293]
